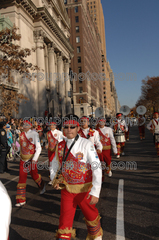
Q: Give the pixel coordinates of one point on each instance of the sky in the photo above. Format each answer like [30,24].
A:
[132,44]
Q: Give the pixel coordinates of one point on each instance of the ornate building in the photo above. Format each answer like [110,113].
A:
[44,25]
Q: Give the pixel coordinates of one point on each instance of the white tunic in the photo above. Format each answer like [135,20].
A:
[95,139]
[90,156]
[5,212]
[57,135]
[33,137]
[123,123]
[109,131]
[154,125]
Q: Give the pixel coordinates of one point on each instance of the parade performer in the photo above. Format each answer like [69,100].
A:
[141,126]
[107,140]
[119,128]
[129,124]
[90,134]
[153,126]
[53,137]
[5,212]
[30,150]
[79,180]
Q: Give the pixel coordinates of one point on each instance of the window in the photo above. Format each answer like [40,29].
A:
[80,89]
[78,49]
[79,69]
[76,9]
[94,15]
[104,97]
[94,6]
[65,1]
[102,65]
[104,92]
[95,19]
[91,2]
[77,29]
[76,0]
[82,111]
[105,101]
[79,59]
[77,39]
[67,10]
[76,19]
[91,6]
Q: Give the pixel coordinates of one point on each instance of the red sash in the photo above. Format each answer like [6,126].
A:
[90,133]
[27,149]
[120,125]
[74,171]
[52,141]
[105,140]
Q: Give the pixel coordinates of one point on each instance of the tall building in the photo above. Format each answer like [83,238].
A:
[44,25]
[86,64]
[96,12]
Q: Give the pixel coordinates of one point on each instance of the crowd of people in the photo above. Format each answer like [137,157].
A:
[79,158]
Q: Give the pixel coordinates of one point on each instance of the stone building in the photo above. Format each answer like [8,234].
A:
[86,64]
[44,25]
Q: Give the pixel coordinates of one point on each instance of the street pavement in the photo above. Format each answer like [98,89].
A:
[129,210]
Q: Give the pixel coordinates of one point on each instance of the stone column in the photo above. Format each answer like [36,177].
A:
[52,82]
[67,86]
[61,85]
[41,83]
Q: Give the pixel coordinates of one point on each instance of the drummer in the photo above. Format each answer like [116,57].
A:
[153,126]
[119,127]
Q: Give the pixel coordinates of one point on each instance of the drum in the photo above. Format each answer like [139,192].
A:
[119,137]
[156,137]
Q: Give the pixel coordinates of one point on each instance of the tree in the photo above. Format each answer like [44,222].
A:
[13,59]
[149,93]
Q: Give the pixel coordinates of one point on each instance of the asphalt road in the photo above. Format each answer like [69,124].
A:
[135,218]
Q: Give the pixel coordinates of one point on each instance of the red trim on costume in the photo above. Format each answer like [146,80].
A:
[26,122]
[51,141]
[90,133]
[86,118]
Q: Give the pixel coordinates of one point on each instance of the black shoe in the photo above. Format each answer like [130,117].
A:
[7,170]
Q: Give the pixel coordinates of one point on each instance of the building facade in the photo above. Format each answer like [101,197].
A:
[44,25]
[96,13]
[86,64]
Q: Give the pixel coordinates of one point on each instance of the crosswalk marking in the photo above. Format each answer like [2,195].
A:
[120,232]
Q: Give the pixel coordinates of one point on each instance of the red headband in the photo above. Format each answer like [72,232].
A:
[26,122]
[52,123]
[119,115]
[102,120]
[155,113]
[84,118]
[71,122]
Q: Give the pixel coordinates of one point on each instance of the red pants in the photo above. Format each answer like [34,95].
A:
[142,131]
[120,147]
[51,155]
[157,147]
[107,159]
[69,202]
[24,168]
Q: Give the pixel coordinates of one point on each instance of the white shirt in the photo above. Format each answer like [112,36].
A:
[90,156]
[5,212]
[95,139]
[109,131]
[153,124]
[34,137]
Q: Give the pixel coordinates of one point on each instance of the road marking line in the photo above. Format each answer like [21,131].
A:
[18,176]
[120,232]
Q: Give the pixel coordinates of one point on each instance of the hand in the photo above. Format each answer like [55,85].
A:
[56,186]
[94,199]
[99,151]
